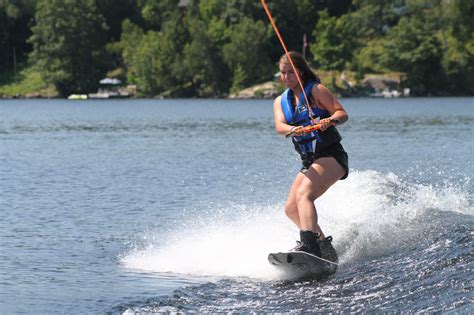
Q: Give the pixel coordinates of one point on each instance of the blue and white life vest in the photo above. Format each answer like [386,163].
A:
[299,116]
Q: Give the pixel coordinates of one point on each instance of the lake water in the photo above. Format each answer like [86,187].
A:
[151,206]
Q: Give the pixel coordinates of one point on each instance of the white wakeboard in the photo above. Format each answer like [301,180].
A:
[299,264]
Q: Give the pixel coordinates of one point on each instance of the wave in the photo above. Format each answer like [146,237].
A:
[370,215]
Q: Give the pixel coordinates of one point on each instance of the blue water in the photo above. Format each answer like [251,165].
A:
[151,206]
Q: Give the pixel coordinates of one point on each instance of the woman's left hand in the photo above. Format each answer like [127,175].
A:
[325,123]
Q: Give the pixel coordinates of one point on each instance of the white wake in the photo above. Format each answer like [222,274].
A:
[364,214]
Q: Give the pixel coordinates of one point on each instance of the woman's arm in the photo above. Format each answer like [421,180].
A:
[327,100]
[280,121]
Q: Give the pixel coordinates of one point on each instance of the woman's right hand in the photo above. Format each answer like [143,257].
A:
[297,131]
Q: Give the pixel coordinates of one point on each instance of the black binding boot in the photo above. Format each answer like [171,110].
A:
[327,250]
[309,243]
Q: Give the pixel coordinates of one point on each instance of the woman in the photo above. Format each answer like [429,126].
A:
[323,157]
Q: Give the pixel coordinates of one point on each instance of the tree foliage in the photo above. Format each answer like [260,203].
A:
[15,17]
[68,41]
[412,48]
[243,56]
[333,46]
[210,48]
[430,41]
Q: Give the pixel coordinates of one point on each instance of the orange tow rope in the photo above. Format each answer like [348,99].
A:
[267,11]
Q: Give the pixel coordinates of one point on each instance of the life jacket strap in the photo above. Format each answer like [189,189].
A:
[307,140]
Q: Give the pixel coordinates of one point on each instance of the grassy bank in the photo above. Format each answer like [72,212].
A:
[28,83]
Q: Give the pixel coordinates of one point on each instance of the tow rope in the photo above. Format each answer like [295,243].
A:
[267,11]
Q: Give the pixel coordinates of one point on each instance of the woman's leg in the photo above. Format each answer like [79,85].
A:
[291,208]
[320,176]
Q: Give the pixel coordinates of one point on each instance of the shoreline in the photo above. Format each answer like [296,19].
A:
[371,87]
[225,98]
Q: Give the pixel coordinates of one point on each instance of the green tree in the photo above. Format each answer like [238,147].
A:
[157,13]
[230,11]
[412,48]
[201,68]
[458,39]
[371,19]
[130,39]
[68,44]
[370,57]
[15,16]
[115,12]
[148,63]
[153,59]
[334,45]
[243,54]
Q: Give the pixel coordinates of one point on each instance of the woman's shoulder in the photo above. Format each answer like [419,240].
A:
[318,86]
[320,89]
[277,101]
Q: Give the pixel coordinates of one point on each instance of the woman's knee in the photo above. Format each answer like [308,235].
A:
[291,210]
[304,194]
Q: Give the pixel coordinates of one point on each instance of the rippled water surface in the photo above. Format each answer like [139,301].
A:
[151,206]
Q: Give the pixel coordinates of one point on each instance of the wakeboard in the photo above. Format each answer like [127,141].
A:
[299,264]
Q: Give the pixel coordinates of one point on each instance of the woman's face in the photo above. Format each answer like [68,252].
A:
[288,75]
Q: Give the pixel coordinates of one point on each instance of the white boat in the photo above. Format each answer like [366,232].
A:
[77,97]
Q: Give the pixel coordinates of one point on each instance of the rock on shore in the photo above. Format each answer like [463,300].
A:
[268,89]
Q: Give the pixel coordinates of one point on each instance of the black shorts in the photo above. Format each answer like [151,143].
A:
[336,151]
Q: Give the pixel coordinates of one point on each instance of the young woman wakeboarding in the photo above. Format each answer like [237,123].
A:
[323,157]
